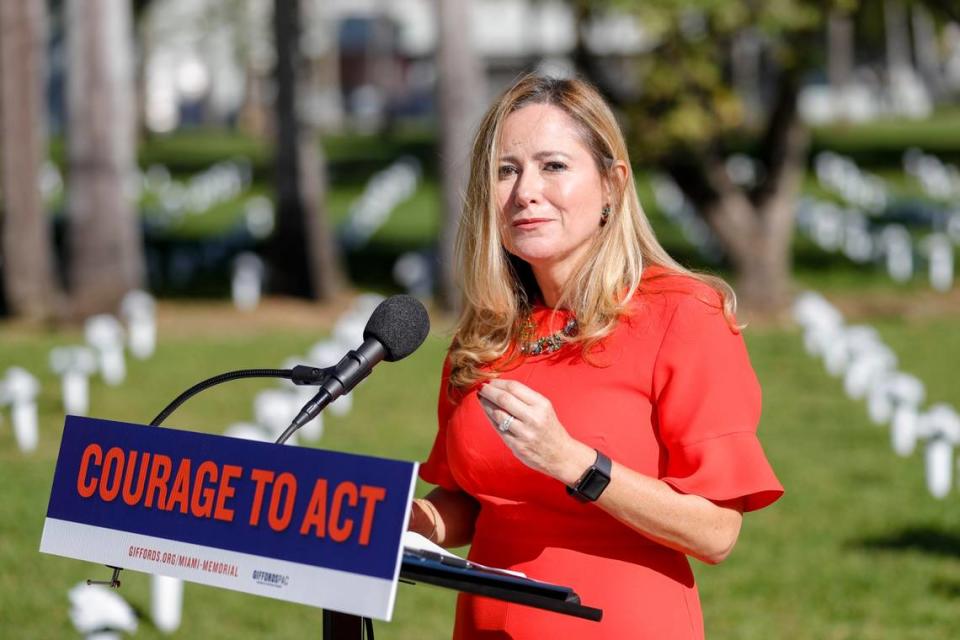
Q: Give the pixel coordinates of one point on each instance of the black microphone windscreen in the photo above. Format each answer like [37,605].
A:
[400,324]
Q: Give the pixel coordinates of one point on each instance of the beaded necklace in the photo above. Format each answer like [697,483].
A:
[546,344]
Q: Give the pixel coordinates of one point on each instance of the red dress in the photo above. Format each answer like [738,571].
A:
[671,394]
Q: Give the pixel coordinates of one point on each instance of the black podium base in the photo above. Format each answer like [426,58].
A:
[341,626]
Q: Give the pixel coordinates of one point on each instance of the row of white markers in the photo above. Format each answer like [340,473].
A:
[106,338]
[869,371]
[95,608]
[835,228]
[200,192]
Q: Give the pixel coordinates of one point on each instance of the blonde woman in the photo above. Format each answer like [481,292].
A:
[598,410]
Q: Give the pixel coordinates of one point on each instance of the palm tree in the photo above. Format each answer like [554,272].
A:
[461,93]
[27,255]
[303,255]
[104,239]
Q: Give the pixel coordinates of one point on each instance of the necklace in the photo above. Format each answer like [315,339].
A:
[546,344]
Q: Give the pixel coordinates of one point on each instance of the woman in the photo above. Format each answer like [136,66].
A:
[598,409]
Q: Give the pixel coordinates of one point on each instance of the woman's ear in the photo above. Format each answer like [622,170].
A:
[617,181]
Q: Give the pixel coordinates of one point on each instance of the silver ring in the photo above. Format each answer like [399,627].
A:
[504,425]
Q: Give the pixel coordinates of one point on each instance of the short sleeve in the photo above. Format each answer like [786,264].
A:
[436,470]
[707,406]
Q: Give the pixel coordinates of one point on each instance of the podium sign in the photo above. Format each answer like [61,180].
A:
[306,525]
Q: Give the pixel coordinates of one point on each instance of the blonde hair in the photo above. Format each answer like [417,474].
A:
[498,288]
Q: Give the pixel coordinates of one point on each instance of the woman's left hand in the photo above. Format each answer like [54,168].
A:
[535,435]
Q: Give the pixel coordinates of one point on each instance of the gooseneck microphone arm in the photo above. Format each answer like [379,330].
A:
[300,375]
[339,379]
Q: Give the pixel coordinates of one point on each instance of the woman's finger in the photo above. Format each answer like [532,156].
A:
[506,400]
[517,389]
[498,416]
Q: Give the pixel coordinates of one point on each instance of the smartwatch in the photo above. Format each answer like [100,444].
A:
[593,481]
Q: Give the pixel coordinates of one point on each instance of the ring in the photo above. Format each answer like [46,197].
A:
[504,425]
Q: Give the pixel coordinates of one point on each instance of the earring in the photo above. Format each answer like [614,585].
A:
[604,214]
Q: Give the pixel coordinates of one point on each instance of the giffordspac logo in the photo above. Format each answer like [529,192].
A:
[271,579]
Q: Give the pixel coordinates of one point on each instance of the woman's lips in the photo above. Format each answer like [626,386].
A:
[529,222]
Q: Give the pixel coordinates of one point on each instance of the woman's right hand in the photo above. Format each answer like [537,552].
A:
[423,519]
[445,517]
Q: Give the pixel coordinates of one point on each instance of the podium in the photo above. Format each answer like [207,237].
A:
[304,525]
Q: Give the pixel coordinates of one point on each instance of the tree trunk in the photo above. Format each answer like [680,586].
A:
[746,71]
[926,49]
[840,50]
[762,273]
[897,31]
[27,248]
[462,94]
[303,254]
[104,243]
[254,117]
[755,228]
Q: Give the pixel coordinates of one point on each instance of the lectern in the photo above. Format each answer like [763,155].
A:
[305,525]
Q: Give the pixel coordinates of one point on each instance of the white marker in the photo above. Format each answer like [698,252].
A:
[74,366]
[21,390]
[105,334]
[139,310]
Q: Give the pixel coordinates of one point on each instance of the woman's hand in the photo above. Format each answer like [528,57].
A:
[534,434]
[688,523]
[444,516]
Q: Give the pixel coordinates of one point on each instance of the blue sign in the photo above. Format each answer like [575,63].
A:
[263,518]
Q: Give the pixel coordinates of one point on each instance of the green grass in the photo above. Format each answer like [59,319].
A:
[33,586]
[856,549]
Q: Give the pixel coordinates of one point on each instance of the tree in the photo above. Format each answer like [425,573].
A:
[27,248]
[461,94]
[104,240]
[690,118]
[303,253]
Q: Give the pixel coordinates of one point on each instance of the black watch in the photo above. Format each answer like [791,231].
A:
[593,481]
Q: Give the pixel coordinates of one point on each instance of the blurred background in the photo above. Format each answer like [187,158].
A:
[193,186]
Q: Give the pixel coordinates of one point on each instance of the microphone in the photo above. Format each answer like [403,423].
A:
[396,328]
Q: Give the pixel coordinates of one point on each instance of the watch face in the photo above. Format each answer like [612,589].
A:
[593,484]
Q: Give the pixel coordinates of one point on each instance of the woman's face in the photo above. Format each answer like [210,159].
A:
[549,191]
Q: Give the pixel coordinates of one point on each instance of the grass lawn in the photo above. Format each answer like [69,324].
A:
[856,549]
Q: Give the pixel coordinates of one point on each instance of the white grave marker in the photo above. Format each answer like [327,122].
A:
[941,424]
[74,365]
[138,309]
[247,281]
[865,367]
[98,612]
[275,409]
[940,259]
[939,466]
[20,390]
[898,249]
[166,602]
[890,391]
[105,334]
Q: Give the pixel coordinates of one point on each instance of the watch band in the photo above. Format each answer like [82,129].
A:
[594,480]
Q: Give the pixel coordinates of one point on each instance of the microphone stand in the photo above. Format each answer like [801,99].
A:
[336,625]
[300,375]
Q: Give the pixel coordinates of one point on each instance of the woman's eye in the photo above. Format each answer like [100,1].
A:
[554,165]
[505,171]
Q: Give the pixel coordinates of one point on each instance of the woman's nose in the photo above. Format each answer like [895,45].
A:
[527,189]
